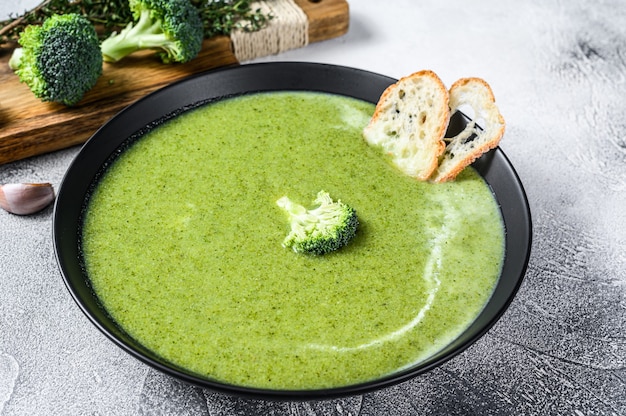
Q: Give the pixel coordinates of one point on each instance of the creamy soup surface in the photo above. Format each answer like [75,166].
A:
[182,243]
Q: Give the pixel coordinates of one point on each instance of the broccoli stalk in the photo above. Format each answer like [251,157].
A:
[320,230]
[60,60]
[172,27]
[15,62]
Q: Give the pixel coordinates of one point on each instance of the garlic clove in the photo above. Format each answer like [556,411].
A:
[25,198]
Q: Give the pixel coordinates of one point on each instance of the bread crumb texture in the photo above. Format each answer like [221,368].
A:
[409,123]
[412,116]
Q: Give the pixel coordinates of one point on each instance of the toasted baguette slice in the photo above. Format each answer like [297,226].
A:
[464,148]
[409,123]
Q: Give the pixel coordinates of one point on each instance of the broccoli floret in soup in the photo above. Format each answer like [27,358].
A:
[320,230]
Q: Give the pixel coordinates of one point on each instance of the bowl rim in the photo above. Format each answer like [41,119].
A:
[173,99]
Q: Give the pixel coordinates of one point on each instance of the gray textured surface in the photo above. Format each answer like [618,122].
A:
[558,69]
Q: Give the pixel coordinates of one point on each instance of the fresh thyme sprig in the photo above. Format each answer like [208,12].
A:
[220,17]
[107,14]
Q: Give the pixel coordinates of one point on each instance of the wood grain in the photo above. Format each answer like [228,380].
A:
[29,127]
[327,18]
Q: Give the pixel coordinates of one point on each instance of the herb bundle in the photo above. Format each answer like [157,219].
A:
[219,17]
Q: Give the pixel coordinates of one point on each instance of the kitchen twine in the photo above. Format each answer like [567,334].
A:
[288,29]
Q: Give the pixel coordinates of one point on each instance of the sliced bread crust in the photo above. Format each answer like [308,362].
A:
[464,148]
[410,121]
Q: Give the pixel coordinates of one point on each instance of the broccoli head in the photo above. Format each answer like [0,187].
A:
[60,60]
[320,230]
[172,27]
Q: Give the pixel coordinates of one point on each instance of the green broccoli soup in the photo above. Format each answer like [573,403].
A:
[182,240]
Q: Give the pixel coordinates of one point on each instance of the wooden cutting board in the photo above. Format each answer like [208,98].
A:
[29,127]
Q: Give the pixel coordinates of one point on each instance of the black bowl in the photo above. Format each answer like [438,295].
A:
[189,93]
